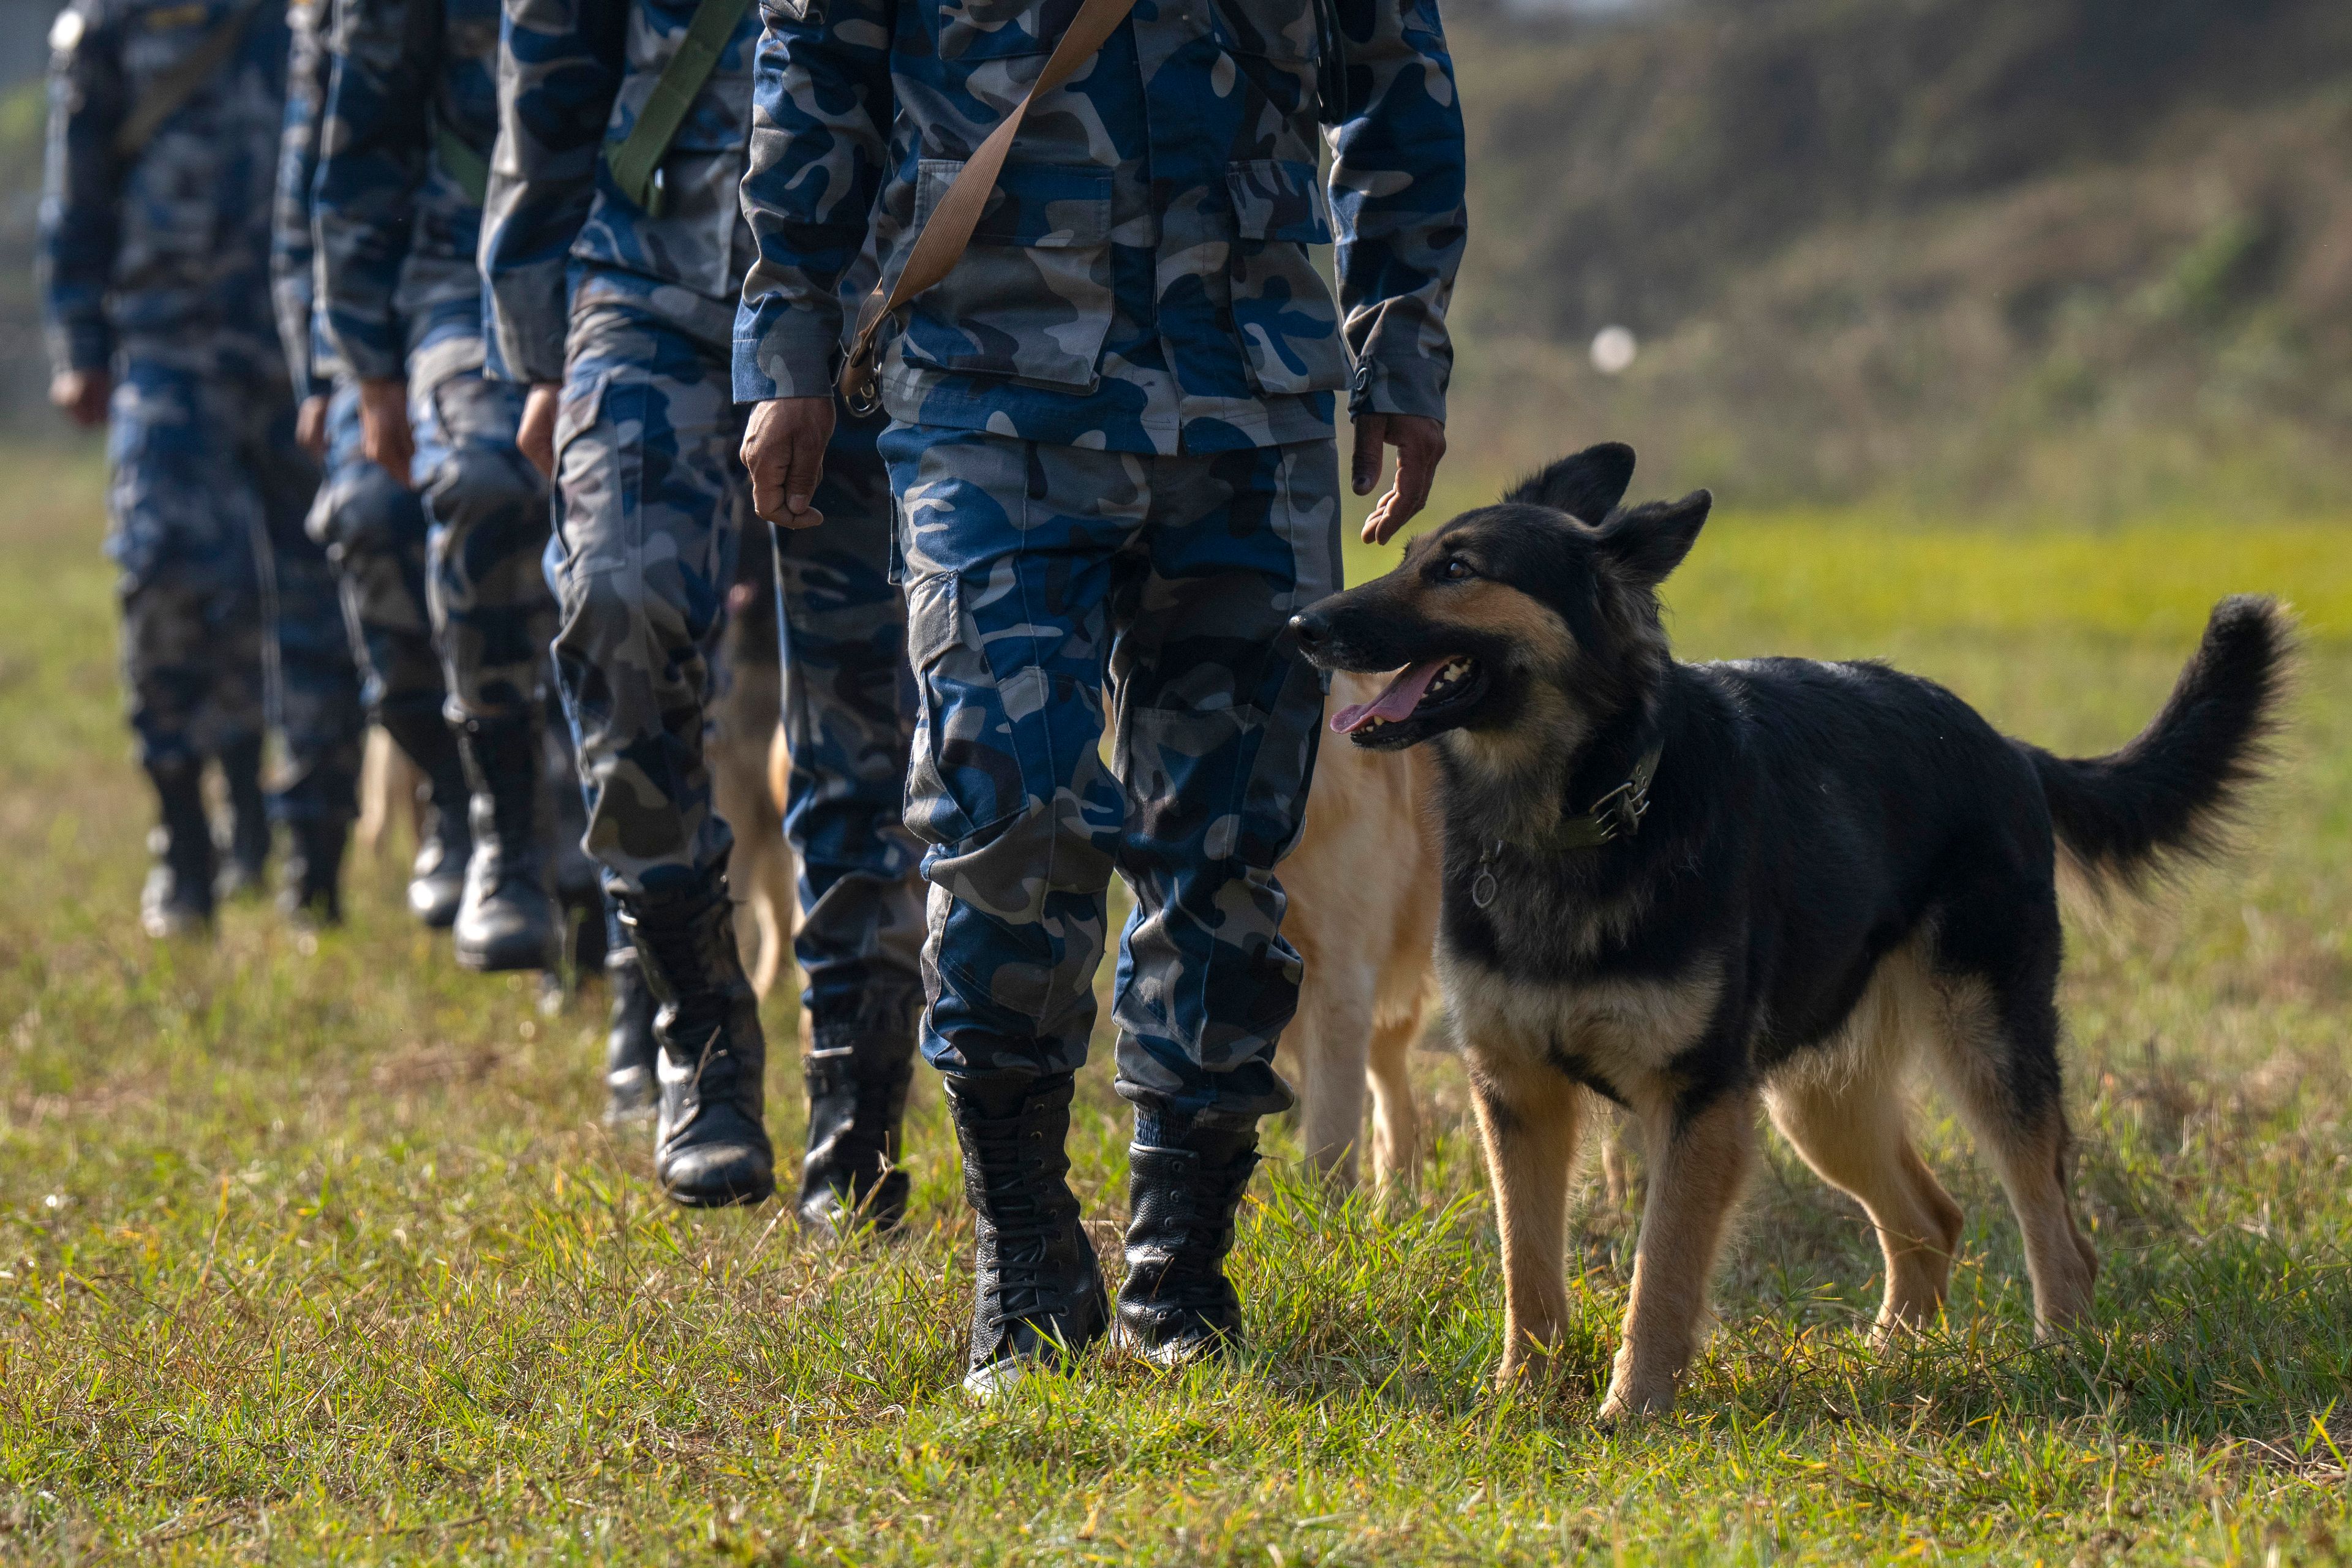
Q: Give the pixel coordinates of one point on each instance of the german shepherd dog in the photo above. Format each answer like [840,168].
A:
[1688,888]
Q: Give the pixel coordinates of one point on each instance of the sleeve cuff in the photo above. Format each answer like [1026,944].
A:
[369,358]
[1414,383]
[784,352]
[528,316]
[84,345]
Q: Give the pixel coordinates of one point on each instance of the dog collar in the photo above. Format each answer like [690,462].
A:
[1617,815]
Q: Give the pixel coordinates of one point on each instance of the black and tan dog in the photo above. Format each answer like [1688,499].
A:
[1690,887]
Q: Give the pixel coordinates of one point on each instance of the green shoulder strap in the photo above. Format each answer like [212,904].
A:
[636,161]
[462,163]
[176,87]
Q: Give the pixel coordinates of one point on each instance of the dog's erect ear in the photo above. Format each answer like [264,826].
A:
[1586,486]
[1650,541]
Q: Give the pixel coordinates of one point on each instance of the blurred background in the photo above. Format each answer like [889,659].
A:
[2089,257]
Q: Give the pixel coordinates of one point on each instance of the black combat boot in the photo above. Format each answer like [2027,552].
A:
[1177,1306]
[711,1147]
[312,895]
[245,870]
[1037,1287]
[436,883]
[507,918]
[178,897]
[630,1053]
[857,1080]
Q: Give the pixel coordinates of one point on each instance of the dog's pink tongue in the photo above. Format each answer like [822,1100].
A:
[1403,694]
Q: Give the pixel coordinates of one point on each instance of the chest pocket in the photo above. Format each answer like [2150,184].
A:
[1031,301]
[1282,308]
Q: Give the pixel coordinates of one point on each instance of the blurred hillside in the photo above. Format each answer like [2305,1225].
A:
[2026,255]
[2081,255]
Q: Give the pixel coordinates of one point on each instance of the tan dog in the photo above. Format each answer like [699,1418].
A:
[748,764]
[392,789]
[1362,887]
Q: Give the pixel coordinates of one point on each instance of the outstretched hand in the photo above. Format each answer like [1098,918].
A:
[783,448]
[1419,442]
[82,395]
[310,425]
[535,437]
[384,435]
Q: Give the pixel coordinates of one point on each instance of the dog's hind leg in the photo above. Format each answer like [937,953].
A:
[1999,1060]
[1527,1117]
[1396,1120]
[1334,1034]
[1698,1163]
[1851,1132]
[1619,1146]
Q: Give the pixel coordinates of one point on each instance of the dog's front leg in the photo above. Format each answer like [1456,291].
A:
[1528,1116]
[1698,1161]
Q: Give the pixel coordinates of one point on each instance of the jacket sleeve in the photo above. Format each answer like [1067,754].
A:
[1397,174]
[822,109]
[81,199]
[292,252]
[559,68]
[372,147]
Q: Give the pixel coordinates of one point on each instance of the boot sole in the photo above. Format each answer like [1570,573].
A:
[721,1198]
[504,960]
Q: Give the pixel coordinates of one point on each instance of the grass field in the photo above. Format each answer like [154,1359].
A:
[319,1252]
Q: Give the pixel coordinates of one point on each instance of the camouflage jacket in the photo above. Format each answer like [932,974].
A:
[398,225]
[292,252]
[1142,278]
[573,76]
[170,245]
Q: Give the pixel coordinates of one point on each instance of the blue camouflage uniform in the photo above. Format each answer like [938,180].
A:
[154,264]
[371,525]
[412,102]
[632,314]
[1112,447]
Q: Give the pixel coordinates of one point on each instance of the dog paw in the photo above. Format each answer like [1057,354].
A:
[1623,1407]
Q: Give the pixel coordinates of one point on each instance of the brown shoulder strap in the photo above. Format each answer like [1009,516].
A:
[943,239]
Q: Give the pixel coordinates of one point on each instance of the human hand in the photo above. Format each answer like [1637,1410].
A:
[1419,442]
[310,424]
[83,396]
[384,435]
[537,436]
[784,448]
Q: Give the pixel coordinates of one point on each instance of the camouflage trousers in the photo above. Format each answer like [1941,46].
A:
[484,582]
[230,620]
[373,529]
[654,499]
[1043,582]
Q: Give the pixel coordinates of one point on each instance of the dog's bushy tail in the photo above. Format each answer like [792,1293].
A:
[2171,794]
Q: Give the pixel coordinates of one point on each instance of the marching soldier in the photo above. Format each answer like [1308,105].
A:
[156,232]
[403,164]
[371,525]
[615,255]
[1112,395]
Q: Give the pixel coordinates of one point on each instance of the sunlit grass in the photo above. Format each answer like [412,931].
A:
[322,1254]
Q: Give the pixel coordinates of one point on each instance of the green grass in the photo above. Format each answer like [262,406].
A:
[322,1254]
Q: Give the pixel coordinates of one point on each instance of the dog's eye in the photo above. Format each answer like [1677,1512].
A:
[1455,570]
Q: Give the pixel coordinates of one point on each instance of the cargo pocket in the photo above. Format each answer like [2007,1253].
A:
[1031,299]
[1289,326]
[962,775]
[590,527]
